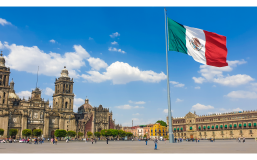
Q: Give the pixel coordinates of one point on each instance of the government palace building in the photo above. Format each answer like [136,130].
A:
[218,126]
[35,113]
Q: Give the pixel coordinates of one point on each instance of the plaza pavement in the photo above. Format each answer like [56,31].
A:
[219,146]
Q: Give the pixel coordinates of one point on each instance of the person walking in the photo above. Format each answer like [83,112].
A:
[155,143]
[92,140]
[106,140]
[95,140]
[238,139]
[146,141]
[56,141]
[243,139]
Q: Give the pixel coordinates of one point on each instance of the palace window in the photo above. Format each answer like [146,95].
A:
[241,132]
[251,132]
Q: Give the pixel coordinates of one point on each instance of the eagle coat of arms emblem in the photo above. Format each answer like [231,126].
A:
[196,44]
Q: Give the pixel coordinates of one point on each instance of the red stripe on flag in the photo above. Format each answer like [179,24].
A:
[215,49]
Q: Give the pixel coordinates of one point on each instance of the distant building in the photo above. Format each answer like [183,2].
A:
[157,130]
[94,119]
[218,126]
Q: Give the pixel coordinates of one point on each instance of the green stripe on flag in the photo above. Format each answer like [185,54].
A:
[176,36]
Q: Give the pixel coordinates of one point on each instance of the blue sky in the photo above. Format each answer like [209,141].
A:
[116,56]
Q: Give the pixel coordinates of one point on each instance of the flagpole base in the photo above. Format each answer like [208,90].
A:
[171,138]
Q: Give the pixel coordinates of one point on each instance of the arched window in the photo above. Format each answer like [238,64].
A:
[66,103]
[4,98]
[63,87]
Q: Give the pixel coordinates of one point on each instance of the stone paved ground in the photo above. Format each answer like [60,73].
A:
[220,146]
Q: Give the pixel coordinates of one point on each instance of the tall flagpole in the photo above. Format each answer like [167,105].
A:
[171,137]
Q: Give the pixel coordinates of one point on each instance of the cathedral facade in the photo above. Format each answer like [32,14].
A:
[35,113]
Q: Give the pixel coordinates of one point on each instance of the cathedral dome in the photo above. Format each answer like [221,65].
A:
[13,95]
[2,60]
[87,106]
[64,72]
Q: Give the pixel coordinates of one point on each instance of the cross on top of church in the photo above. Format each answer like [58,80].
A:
[1,53]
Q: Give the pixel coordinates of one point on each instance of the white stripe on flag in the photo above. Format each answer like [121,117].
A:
[198,55]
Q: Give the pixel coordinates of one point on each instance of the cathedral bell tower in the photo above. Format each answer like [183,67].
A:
[63,96]
[4,82]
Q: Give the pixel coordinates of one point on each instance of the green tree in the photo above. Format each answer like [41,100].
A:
[145,135]
[162,123]
[121,133]
[71,133]
[97,134]
[37,132]
[1,131]
[80,134]
[103,132]
[13,132]
[113,132]
[129,134]
[26,132]
[60,133]
[89,134]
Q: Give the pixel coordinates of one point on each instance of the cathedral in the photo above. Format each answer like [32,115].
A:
[35,113]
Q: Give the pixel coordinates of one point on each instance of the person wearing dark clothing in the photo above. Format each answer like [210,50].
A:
[95,140]
[155,143]
[107,140]
[146,141]
[92,140]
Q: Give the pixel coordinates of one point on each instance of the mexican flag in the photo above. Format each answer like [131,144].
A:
[205,47]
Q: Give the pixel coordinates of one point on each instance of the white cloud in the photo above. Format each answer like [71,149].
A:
[90,38]
[49,91]
[96,63]
[179,100]
[25,94]
[199,80]
[126,106]
[254,84]
[214,86]
[4,22]
[136,114]
[242,94]
[1,45]
[177,84]
[237,109]
[234,80]
[113,35]
[77,103]
[199,106]
[22,58]
[114,42]
[215,74]
[122,73]
[166,110]
[116,50]
[52,41]
[138,107]
[139,102]
[197,87]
